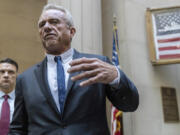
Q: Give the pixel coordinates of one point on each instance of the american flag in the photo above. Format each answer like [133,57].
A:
[116,115]
[167,34]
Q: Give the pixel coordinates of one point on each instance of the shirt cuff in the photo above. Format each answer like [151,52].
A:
[116,81]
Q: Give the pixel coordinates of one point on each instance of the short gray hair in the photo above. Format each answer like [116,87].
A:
[68,16]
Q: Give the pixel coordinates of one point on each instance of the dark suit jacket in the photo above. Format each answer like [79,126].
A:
[84,111]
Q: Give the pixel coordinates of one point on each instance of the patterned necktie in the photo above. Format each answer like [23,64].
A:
[5,116]
[60,82]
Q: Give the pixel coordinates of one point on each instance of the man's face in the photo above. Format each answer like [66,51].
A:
[55,34]
[8,74]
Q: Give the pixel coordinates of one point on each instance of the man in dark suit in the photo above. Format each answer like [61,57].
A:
[66,95]
[8,74]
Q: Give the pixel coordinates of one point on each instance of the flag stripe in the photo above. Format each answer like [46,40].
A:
[177,35]
[169,48]
[169,44]
[169,52]
[168,56]
[169,40]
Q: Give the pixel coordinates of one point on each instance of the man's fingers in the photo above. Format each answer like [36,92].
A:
[82,60]
[83,67]
[93,71]
[89,81]
[86,74]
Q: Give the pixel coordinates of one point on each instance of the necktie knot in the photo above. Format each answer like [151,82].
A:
[6,97]
[57,58]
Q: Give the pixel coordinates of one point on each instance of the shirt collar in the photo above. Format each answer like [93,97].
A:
[65,57]
[11,94]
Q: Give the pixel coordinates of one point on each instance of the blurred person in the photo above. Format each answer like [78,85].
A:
[8,74]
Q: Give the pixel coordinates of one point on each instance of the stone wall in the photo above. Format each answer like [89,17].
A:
[19,38]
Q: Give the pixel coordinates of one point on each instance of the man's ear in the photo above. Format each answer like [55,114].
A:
[72,31]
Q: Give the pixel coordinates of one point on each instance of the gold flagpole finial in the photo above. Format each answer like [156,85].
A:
[115,35]
[114,21]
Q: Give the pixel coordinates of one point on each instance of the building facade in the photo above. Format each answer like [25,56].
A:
[93,19]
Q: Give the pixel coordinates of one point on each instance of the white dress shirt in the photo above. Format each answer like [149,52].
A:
[52,73]
[10,101]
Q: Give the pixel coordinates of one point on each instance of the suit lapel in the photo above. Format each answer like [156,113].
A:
[70,82]
[41,75]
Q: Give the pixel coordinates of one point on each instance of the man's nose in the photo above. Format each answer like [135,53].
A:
[47,27]
[6,74]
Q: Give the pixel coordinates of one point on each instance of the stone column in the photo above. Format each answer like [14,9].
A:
[87,19]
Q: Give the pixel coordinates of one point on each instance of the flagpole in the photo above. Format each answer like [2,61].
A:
[115,36]
[117,121]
